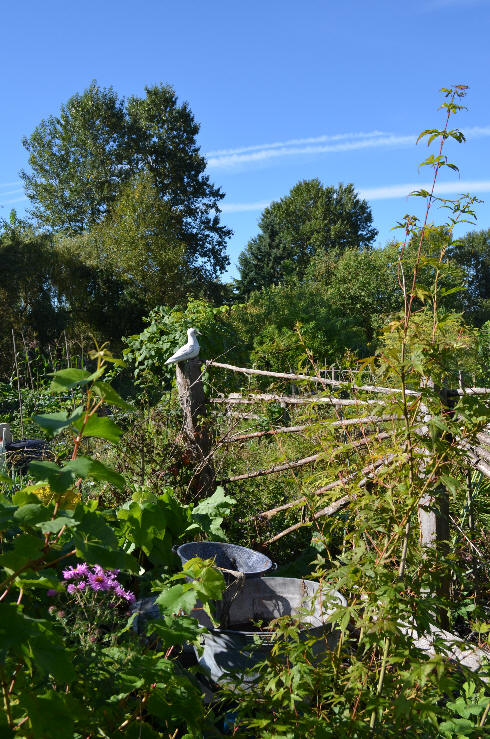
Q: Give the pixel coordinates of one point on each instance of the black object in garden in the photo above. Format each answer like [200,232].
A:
[21,453]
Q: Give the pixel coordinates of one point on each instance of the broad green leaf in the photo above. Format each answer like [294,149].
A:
[54,526]
[86,467]
[59,479]
[101,427]
[110,396]
[27,548]
[175,630]
[21,497]
[209,514]
[99,554]
[54,423]
[51,714]
[31,514]
[181,597]
[66,379]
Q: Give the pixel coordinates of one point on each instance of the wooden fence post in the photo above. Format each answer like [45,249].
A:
[196,430]
[434,511]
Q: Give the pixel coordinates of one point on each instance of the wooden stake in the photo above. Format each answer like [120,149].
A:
[19,394]
[193,403]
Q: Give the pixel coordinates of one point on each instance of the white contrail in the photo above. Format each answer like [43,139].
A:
[242,207]
[296,142]
[443,188]
[229,158]
[386,192]
[13,200]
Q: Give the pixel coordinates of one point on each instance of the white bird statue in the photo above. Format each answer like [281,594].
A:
[189,350]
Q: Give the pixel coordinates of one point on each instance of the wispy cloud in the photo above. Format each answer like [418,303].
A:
[386,192]
[242,207]
[231,158]
[4,193]
[13,200]
[295,142]
[10,184]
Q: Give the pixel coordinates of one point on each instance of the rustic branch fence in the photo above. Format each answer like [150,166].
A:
[193,402]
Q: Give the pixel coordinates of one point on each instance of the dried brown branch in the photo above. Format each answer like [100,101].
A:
[309,378]
[236,398]
[369,469]
[329,424]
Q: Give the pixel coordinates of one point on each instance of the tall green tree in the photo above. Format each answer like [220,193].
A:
[472,253]
[137,243]
[80,159]
[310,220]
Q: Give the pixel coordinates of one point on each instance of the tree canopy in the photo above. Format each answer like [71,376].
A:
[310,220]
[472,253]
[80,160]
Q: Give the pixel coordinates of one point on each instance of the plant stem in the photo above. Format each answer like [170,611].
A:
[372,722]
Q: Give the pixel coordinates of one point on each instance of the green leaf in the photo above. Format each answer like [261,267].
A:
[101,427]
[453,485]
[175,630]
[59,479]
[99,554]
[54,423]
[181,597]
[51,714]
[66,379]
[110,396]
[54,526]
[86,467]
[31,514]
[53,658]
[27,548]
[21,497]
[209,514]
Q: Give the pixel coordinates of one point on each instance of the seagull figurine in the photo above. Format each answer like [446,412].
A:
[189,350]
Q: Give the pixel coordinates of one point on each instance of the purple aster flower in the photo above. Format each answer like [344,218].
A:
[81,584]
[81,570]
[51,593]
[71,588]
[98,580]
[124,594]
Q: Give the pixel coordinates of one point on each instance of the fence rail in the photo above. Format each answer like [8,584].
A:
[478,456]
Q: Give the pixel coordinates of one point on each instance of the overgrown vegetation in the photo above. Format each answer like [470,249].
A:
[389,504]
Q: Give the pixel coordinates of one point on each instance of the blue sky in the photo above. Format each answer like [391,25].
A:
[283,90]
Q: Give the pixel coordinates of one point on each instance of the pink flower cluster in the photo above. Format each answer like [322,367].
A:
[96,578]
